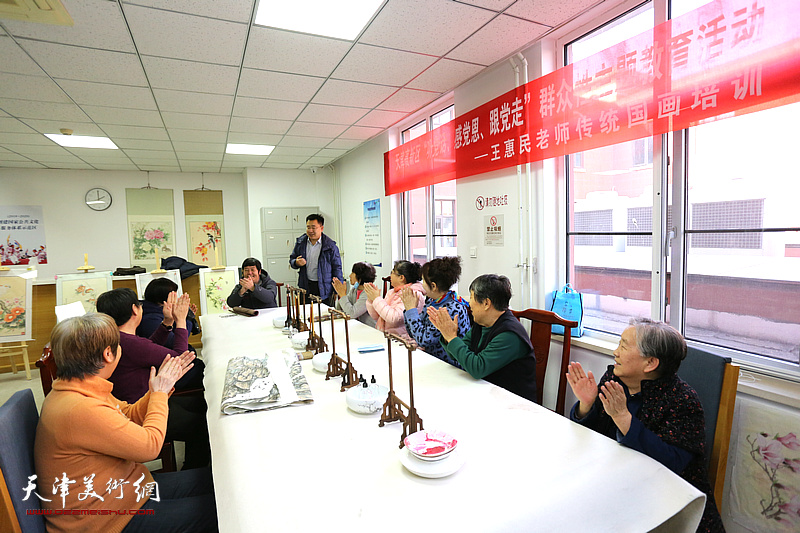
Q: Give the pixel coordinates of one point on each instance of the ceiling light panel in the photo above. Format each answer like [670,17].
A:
[82,141]
[343,19]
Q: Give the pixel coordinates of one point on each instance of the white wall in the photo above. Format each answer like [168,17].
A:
[72,229]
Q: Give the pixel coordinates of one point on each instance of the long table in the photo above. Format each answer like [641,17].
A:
[322,467]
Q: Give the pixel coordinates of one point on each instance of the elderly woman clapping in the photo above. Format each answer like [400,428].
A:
[93,444]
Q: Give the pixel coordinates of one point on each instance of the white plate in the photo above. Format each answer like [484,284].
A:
[433,469]
[430,444]
[320,362]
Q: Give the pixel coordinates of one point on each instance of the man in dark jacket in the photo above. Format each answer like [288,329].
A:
[317,258]
[256,290]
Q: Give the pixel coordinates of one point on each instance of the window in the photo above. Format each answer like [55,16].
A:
[710,244]
[430,212]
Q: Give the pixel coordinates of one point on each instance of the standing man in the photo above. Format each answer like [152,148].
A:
[255,290]
[318,259]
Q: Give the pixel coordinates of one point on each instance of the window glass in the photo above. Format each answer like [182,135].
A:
[743,259]
[444,231]
[414,131]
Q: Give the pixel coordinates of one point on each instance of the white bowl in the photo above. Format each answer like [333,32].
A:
[320,361]
[366,400]
[279,321]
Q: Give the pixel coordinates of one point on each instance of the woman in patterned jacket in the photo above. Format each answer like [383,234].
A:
[438,277]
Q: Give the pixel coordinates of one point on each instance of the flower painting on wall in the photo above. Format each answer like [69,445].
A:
[206,242]
[84,288]
[151,236]
[15,299]
[215,286]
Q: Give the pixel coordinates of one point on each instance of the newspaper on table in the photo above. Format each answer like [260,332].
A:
[257,384]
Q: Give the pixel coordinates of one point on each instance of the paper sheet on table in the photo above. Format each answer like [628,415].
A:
[257,384]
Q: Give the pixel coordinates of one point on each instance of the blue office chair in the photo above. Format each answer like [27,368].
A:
[715,379]
[18,419]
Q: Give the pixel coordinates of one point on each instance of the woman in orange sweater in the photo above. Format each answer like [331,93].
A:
[90,446]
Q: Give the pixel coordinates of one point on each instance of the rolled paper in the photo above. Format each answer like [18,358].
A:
[85,259]
[244,311]
[216,256]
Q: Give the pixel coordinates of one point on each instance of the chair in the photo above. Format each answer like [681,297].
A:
[47,372]
[387,284]
[279,293]
[715,379]
[18,419]
[541,326]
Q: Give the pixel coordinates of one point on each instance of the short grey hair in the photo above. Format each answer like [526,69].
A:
[662,341]
[78,344]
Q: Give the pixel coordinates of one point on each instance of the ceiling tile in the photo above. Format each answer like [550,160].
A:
[124,117]
[444,76]
[54,126]
[10,156]
[214,168]
[373,64]
[31,88]
[549,13]
[136,132]
[144,154]
[291,166]
[263,108]
[278,85]
[239,137]
[312,129]
[15,60]
[87,64]
[350,93]
[293,150]
[24,138]
[98,24]
[346,144]
[193,121]
[235,10]
[182,75]
[427,34]
[319,161]
[93,154]
[115,166]
[247,160]
[21,164]
[35,151]
[408,100]
[106,94]
[494,5]
[182,36]
[501,37]
[331,152]
[192,102]
[305,142]
[197,135]
[80,165]
[298,53]
[12,125]
[381,119]
[143,144]
[43,110]
[331,114]
[183,146]
[360,132]
[160,168]
[294,159]
[66,158]
[259,125]
[200,156]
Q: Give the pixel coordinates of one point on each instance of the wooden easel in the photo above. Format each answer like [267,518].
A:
[393,407]
[295,295]
[338,366]
[16,348]
[315,343]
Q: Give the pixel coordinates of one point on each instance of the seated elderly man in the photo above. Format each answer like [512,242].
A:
[187,420]
[255,290]
[93,444]
[497,348]
[643,404]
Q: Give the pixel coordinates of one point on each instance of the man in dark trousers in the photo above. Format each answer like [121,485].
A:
[255,290]
[317,257]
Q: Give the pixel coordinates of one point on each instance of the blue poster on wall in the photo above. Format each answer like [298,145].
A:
[372,231]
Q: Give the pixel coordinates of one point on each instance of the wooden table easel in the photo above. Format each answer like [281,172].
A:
[393,407]
[338,366]
[294,295]
[17,348]
[316,343]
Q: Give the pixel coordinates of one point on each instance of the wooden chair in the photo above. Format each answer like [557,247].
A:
[47,373]
[18,419]
[387,284]
[715,379]
[279,294]
[541,326]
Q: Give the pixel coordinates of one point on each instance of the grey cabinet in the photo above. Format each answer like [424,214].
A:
[280,228]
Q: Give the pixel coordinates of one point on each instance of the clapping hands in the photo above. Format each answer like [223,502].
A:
[409,298]
[441,320]
[339,287]
[372,291]
[172,369]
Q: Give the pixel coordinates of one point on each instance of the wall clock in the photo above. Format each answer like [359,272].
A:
[98,199]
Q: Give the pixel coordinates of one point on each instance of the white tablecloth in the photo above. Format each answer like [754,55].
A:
[321,467]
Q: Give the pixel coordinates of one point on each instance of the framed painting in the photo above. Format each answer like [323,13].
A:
[143,280]
[16,303]
[83,288]
[148,235]
[215,287]
[206,238]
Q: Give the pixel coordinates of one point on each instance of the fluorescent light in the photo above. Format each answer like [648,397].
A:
[82,141]
[342,19]
[249,149]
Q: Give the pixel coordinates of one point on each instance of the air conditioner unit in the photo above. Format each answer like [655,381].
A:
[42,11]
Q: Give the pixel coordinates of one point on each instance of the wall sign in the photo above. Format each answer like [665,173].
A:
[22,235]
[493,230]
[372,232]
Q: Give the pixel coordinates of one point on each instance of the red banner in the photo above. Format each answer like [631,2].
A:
[725,58]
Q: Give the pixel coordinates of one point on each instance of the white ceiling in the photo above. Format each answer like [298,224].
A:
[172,81]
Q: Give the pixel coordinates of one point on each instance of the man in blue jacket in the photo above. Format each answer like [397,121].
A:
[317,258]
